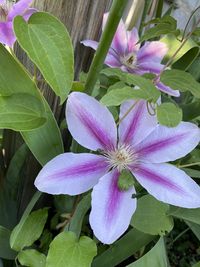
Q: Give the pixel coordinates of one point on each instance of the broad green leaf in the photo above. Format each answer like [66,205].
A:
[156,257]
[78,86]
[195,228]
[192,215]
[79,214]
[21,112]
[46,41]
[5,250]
[147,89]
[194,69]
[29,230]
[122,249]
[164,25]
[169,114]
[9,192]
[13,80]
[197,264]
[187,59]
[173,44]
[67,251]
[191,172]
[191,110]
[118,96]
[151,216]
[181,80]
[32,258]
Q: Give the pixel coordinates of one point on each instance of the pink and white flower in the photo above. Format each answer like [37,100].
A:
[125,53]
[140,145]
[8,11]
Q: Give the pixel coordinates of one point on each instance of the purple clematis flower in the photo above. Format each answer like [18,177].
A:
[8,11]
[141,146]
[125,53]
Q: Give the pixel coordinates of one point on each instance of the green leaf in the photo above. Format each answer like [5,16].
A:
[197,264]
[79,214]
[120,251]
[28,230]
[191,172]
[46,41]
[21,112]
[169,114]
[5,251]
[195,228]
[156,257]
[147,89]
[181,80]
[192,215]
[117,96]
[187,59]
[13,80]
[173,44]
[67,251]
[151,216]
[165,25]
[9,192]
[191,110]
[32,258]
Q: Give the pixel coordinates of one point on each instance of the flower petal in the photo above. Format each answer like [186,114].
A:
[152,51]
[166,89]
[168,144]
[29,12]
[90,123]
[71,173]
[168,184]
[137,125]
[19,9]
[152,67]
[133,38]
[7,35]
[112,209]
[90,43]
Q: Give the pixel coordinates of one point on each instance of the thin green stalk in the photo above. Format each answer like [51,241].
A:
[159,9]
[114,17]
[189,165]
[31,204]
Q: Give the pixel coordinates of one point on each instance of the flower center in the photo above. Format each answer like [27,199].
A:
[129,61]
[4,10]
[121,158]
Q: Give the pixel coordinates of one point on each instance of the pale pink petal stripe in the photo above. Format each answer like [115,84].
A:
[137,125]
[168,184]
[167,144]
[71,173]
[112,209]
[90,123]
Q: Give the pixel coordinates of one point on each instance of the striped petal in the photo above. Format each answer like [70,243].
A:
[167,90]
[168,184]
[7,36]
[112,209]
[167,144]
[90,123]
[133,38]
[19,9]
[150,67]
[152,51]
[71,173]
[137,125]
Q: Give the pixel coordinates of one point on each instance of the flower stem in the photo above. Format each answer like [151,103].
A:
[114,17]
[189,165]
[126,114]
